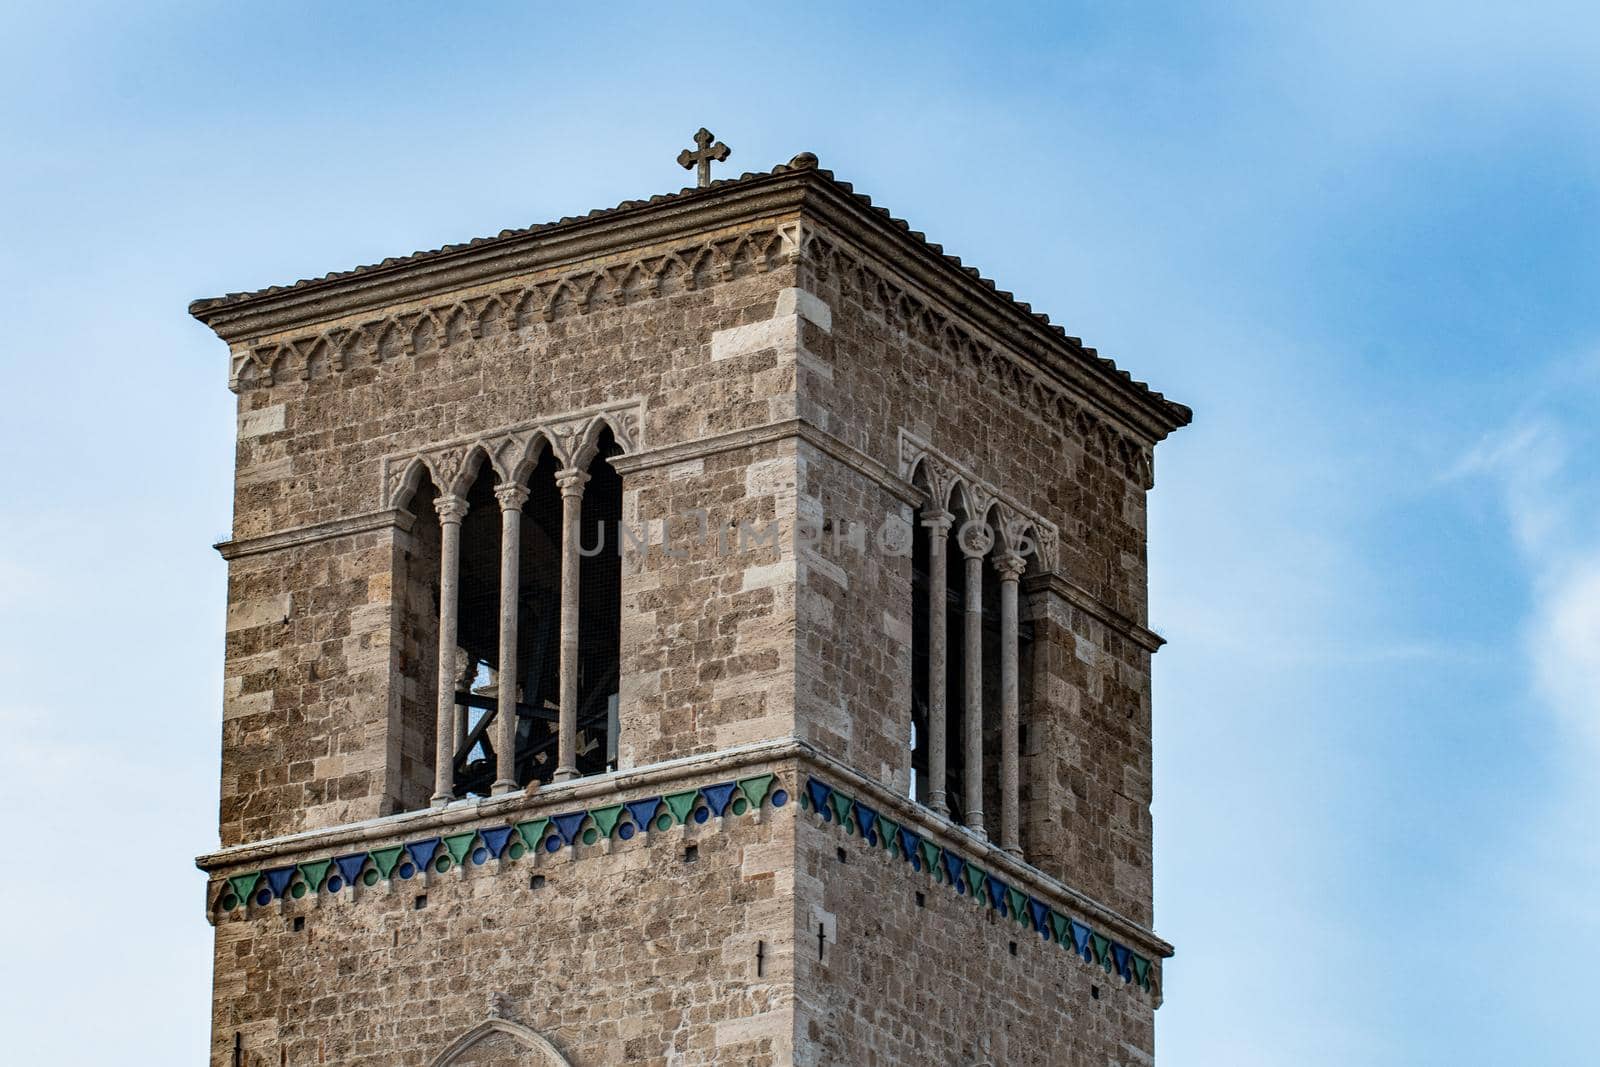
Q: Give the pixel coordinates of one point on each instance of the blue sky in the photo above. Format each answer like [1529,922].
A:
[1359,239]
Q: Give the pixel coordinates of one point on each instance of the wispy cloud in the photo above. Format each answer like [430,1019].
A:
[1542,465]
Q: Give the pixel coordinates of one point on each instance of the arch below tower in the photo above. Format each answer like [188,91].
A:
[501,1043]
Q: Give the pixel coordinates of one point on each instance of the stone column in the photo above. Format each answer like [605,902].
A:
[1010,567]
[938,524]
[571,483]
[976,540]
[452,509]
[511,496]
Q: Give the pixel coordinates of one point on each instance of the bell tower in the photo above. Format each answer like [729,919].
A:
[710,630]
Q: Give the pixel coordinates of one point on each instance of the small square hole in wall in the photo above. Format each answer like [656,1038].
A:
[536,882]
[1013,948]
[1094,991]
[421,902]
[691,854]
[922,901]
[299,923]
[842,857]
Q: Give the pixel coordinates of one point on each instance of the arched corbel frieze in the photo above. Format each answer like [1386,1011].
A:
[512,452]
[952,487]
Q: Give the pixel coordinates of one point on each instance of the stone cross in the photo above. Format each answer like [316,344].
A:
[703,154]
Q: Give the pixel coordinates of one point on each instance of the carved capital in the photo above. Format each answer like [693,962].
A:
[1010,565]
[512,495]
[451,508]
[571,482]
[938,523]
[975,538]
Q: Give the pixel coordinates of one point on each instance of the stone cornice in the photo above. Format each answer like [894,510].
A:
[796,429]
[1081,598]
[794,193]
[470,813]
[509,805]
[383,519]
[941,830]
[514,253]
[395,467]
[1003,321]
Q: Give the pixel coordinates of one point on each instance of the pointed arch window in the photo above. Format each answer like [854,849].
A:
[509,604]
[971,650]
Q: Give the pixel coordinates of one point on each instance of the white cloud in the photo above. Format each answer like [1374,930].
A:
[1542,467]
[1564,645]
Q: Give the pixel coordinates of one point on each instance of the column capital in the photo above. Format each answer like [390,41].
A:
[975,538]
[512,495]
[1010,565]
[571,481]
[938,522]
[451,508]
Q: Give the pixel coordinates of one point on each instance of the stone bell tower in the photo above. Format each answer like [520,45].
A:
[710,630]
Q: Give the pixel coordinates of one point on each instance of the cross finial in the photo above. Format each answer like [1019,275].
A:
[703,154]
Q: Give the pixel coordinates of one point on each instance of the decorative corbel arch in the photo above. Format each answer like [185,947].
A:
[525,450]
[1035,542]
[512,452]
[978,501]
[577,441]
[454,468]
[404,481]
[934,480]
[540,1052]
[484,450]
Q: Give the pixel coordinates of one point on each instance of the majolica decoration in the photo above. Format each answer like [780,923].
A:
[335,874]
[950,868]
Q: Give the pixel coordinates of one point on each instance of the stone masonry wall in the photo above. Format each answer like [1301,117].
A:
[1087,767]
[625,952]
[306,718]
[854,623]
[708,636]
[902,983]
[774,389]
[309,452]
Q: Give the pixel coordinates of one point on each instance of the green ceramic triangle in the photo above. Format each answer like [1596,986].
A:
[1063,929]
[459,844]
[314,872]
[385,859]
[606,818]
[842,807]
[533,831]
[1141,971]
[1102,949]
[681,804]
[930,858]
[1019,904]
[755,789]
[243,885]
[889,834]
[974,881]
